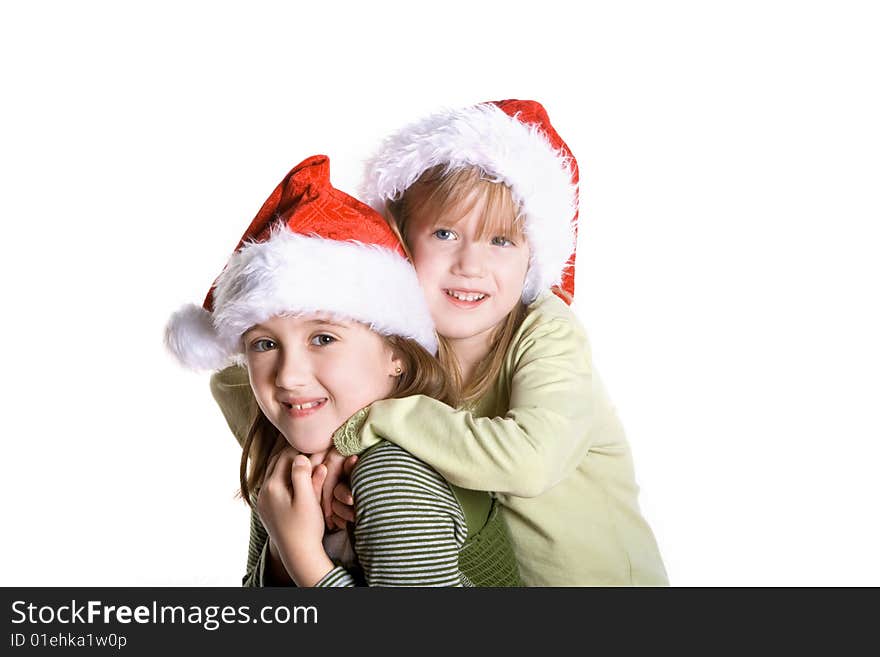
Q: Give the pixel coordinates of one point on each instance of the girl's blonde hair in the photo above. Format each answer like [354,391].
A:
[421,374]
[437,192]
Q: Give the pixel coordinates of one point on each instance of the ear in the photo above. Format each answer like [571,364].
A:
[395,365]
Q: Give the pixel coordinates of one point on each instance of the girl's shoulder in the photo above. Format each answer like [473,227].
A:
[392,487]
[387,464]
[550,320]
[548,308]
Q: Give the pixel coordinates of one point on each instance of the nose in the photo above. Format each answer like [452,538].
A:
[470,259]
[293,369]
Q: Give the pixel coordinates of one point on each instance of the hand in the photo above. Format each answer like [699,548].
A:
[289,506]
[338,469]
[276,493]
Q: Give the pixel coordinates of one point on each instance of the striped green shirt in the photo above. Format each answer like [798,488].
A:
[410,527]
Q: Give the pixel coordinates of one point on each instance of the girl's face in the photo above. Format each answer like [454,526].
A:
[471,282]
[310,374]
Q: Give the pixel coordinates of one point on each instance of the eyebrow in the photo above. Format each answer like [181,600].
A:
[328,321]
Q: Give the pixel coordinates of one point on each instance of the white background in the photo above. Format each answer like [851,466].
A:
[727,268]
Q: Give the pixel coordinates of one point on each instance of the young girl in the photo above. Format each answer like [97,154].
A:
[485,198]
[323,307]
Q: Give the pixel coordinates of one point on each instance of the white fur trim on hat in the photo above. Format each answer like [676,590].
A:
[191,337]
[291,273]
[508,150]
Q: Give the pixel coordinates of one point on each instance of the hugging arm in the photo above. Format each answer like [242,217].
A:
[231,390]
[539,441]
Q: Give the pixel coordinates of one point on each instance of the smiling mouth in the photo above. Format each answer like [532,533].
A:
[302,407]
[307,408]
[470,297]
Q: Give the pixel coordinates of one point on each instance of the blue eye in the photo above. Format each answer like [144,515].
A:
[500,240]
[322,340]
[443,234]
[263,344]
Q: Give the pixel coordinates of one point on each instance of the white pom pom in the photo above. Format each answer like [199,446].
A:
[191,337]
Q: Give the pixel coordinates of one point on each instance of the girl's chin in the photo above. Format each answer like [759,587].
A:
[309,444]
[464,331]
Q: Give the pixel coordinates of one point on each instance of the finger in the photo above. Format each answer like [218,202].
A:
[319,474]
[281,467]
[334,462]
[275,466]
[334,458]
[343,493]
[349,464]
[343,511]
[318,457]
[338,523]
[301,475]
[276,488]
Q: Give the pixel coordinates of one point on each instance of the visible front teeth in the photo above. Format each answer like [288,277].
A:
[466,296]
[302,407]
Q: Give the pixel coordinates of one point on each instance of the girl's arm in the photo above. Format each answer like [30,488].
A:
[231,390]
[556,410]
[409,527]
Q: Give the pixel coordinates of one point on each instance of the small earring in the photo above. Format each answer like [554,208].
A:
[397,371]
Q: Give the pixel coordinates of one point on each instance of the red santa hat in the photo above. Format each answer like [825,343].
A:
[513,142]
[310,249]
